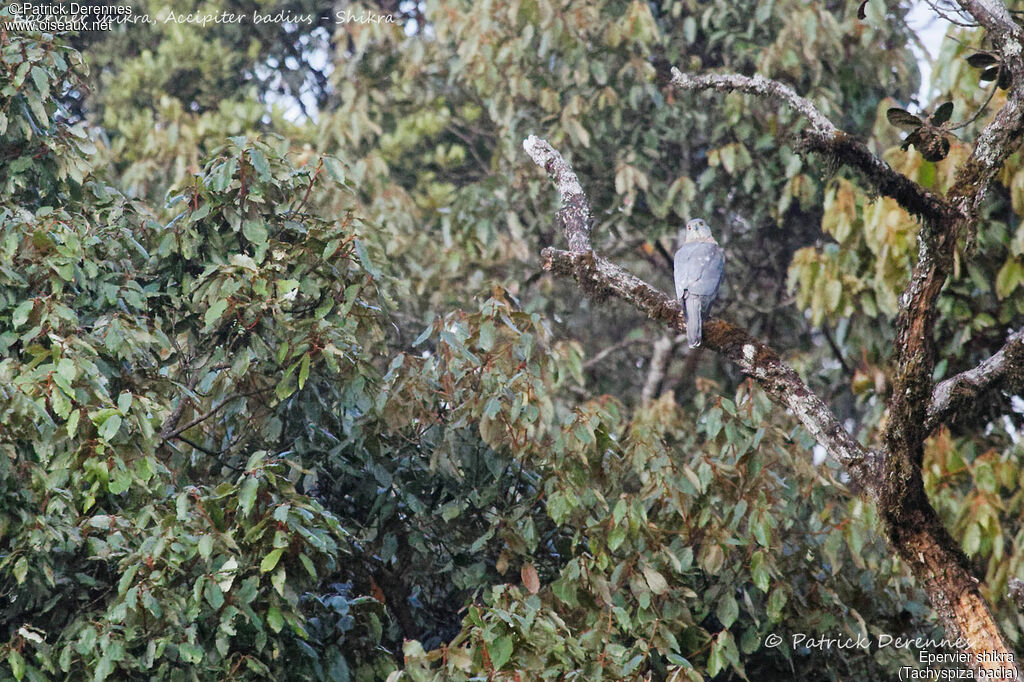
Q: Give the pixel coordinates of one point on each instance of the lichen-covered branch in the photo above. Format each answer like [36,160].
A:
[1004,369]
[761,86]
[915,349]
[994,17]
[574,215]
[823,137]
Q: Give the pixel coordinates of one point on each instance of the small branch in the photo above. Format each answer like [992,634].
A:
[175,432]
[947,14]
[836,351]
[605,352]
[960,390]
[660,358]
[167,427]
[825,138]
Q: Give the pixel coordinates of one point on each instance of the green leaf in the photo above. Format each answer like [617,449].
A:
[1008,277]
[901,118]
[487,336]
[716,659]
[59,401]
[616,537]
[259,162]
[214,312]
[286,286]
[42,81]
[424,335]
[110,426]
[270,561]
[308,565]
[274,619]
[278,580]
[304,370]
[759,571]
[72,426]
[972,540]
[21,312]
[255,231]
[190,653]
[727,610]
[364,259]
[17,663]
[334,168]
[655,580]
[221,179]
[500,651]
[205,546]
[213,594]
[20,569]
[712,559]
[201,212]
[247,495]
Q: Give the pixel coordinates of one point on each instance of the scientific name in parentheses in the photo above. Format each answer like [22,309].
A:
[74,9]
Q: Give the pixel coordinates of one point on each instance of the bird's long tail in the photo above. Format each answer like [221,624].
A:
[694,326]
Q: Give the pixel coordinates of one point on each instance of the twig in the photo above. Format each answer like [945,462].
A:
[605,352]
[209,413]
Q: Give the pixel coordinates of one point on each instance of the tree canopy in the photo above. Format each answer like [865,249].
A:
[296,383]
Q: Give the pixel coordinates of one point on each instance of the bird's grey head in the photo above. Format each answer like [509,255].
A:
[697,231]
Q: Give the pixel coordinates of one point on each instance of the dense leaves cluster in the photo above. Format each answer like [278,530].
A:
[150,522]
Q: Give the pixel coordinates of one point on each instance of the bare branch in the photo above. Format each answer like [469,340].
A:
[960,390]
[605,352]
[660,358]
[601,278]
[825,138]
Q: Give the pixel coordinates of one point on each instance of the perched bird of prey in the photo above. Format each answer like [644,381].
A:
[699,263]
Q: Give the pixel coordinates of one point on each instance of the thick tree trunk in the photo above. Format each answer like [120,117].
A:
[940,567]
